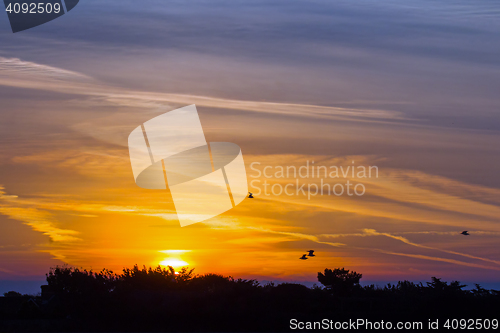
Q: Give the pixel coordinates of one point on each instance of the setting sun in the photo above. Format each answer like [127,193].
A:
[174,258]
[174,263]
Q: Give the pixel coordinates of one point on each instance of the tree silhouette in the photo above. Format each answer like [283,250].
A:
[161,299]
[340,281]
[480,291]
[12,294]
[438,287]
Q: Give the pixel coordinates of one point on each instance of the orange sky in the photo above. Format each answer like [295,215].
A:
[411,90]
[68,194]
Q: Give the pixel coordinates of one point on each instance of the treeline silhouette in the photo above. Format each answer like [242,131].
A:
[160,299]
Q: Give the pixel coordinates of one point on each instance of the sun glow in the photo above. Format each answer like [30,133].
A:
[174,251]
[174,263]
[174,258]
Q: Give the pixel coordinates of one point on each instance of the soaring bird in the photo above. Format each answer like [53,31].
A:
[250,195]
[303,257]
[311,253]
[465,233]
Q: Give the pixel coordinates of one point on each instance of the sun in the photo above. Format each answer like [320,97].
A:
[174,263]
[174,258]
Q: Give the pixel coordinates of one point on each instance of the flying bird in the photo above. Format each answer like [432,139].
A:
[303,257]
[311,253]
[465,233]
[250,195]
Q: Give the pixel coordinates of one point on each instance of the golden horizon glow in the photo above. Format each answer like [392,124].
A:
[175,263]
[174,251]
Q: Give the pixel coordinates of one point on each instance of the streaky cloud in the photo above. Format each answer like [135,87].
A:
[22,74]
[37,219]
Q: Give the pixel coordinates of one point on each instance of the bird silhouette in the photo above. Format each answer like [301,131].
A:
[311,253]
[303,257]
[465,233]
[250,195]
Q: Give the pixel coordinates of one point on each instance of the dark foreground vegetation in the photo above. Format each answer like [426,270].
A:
[159,299]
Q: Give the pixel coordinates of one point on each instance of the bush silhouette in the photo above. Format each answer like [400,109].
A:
[12,294]
[340,281]
[161,299]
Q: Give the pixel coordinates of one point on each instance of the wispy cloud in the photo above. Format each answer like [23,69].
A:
[397,194]
[37,219]
[372,232]
[365,233]
[447,260]
[17,68]
[23,74]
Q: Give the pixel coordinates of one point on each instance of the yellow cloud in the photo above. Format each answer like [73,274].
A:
[39,220]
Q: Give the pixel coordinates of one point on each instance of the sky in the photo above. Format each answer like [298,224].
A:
[409,87]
